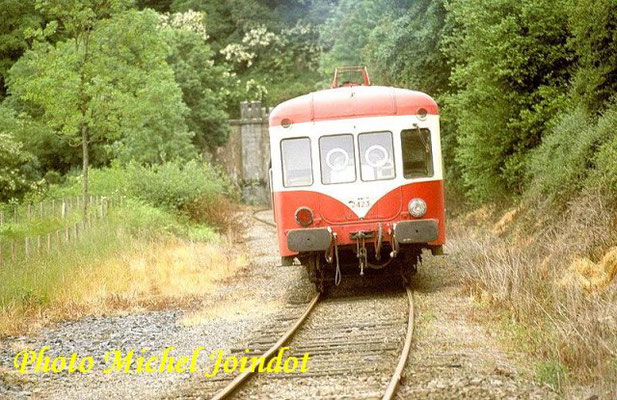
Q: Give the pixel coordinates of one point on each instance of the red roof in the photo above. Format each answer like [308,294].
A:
[352,102]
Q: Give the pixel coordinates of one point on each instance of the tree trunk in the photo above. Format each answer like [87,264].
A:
[85,167]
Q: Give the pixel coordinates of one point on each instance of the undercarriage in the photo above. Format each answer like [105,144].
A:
[326,269]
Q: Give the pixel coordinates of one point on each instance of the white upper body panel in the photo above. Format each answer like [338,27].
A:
[359,195]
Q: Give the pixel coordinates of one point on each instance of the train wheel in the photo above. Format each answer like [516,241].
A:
[408,265]
[311,272]
[317,273]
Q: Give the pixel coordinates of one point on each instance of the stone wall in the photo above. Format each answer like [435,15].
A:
[246,155]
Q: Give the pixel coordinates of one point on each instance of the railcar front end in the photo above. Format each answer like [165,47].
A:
[357,180]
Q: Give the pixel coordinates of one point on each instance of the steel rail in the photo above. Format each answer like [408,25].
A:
[398,372]
[396,376]
[240,379]
[261,220]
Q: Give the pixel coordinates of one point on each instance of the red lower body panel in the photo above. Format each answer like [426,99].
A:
[329,212]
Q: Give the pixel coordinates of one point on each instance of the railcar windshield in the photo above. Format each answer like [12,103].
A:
[376,156]
[417,153]
[338,163]
[297,165]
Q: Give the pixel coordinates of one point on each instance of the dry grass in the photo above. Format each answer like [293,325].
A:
[143,274]
[552,279]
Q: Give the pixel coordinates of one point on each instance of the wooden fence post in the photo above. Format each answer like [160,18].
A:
[49,242]
[42,209]
[1,253]
[29,211]
[38,244]
[58,239]
[1,218]
[27,248]
[76,233]
[67,234]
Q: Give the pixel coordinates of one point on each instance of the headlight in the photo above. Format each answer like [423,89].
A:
[417,208]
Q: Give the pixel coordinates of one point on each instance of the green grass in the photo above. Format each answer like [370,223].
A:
[36,226]
[35,281]
[551,373]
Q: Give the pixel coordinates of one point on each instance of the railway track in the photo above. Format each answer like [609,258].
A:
[350,338]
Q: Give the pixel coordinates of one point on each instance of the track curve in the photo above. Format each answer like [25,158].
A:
[240,379]
[336,340]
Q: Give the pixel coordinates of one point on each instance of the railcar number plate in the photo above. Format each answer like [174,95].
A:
[359,202]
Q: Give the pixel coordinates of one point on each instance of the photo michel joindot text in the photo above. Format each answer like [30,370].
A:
[132,362]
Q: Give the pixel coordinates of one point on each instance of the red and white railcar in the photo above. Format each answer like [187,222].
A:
[357,178]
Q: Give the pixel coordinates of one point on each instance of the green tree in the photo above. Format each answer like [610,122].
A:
[70,69]
[18,168]
[406,50]
[346,33]
[17,18]
[108,81]
[206,85]
[511,69]
[595,42]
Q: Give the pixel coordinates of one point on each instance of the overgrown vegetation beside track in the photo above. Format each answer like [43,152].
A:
[549,286]
[167,242]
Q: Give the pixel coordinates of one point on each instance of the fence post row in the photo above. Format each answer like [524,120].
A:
[72,232]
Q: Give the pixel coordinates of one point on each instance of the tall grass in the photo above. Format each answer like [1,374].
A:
[529,275]
[139,257]
[163,244]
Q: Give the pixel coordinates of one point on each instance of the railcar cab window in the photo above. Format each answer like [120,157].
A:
[297,165]
[338,162]
[417,153]
[376,156]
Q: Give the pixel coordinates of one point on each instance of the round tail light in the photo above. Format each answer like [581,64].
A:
[304,216]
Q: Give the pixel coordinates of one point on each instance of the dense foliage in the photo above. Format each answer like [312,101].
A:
[523,86]
[526,89]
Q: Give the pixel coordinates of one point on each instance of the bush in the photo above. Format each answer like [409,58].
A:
[18,169]
[194,189]
[175,186]
[138,217]
[559,166]
[604,177]
[111,181]
[578,154]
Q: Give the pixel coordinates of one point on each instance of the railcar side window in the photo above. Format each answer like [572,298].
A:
[417,153]
[297,165]
[376,156]
[338,162]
